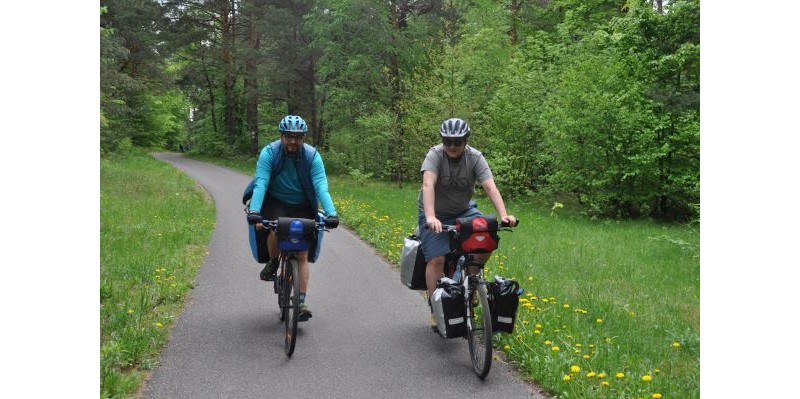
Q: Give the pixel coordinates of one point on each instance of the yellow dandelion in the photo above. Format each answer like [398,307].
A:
[507,347]
[555,348]
[566,306]
[530,278]
[537,332]
[548,342]
[657,371]
[159,325]
[574,369]
[590,374]
[656,396]
[130,311]
[587,357]
[524,322]
[647,377]
[566,377]
[605,383]
[519,337]
[599,321]
[538,325]
[601,375]
[676,344]
[578,345]
[620,375]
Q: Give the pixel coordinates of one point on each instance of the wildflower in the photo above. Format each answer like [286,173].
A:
[566,306]
[676,344]
[620,375]
[538,325]
[601,375]
[130,311]
[599,321]
[555,348]
[656,396]
[519,337]
[537,332]
[525,322]
[530,278]
[587,357]
[574,369]
[579,345]
[566,377]
[548,342]
[647,377]
[507,347]
[605,383]
[590,374]
[657,371]
[159,325]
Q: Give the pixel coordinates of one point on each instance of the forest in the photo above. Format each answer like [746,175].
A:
[596,102]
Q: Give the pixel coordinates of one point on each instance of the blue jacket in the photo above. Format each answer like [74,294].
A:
[292,180]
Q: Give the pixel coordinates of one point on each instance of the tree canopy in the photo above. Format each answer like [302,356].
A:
[596,100]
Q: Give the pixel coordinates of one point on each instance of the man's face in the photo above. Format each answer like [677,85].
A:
[292,142]
[454,147]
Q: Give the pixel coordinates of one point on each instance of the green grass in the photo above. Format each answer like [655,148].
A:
[155,224]
[601,297]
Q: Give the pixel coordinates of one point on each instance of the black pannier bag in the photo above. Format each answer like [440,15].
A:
[476,234]
[412,264]
[503,302]
[447,304]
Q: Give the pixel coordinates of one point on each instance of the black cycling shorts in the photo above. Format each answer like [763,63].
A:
[272,209]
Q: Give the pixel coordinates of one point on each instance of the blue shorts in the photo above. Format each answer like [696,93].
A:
[434,245]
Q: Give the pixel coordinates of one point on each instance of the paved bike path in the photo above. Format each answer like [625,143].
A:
[368,338]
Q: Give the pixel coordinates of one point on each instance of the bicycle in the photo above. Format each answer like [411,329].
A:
[460,265]
[294,236]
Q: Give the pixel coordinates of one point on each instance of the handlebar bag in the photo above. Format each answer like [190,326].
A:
[296,234]
[447,304]
[477,234]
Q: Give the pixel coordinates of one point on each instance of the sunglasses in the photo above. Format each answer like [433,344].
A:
[294,137]
[453,142]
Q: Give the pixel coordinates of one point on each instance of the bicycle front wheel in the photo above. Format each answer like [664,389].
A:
[479,330]
[291,290]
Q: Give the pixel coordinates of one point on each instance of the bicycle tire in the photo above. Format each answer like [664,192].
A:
[281,289]
[292,294]
[479,331]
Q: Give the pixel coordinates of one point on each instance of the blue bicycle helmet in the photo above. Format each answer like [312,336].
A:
[454,128]
[292,124]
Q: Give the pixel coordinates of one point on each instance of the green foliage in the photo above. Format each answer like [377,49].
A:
[359,177]
[599,295]
[148,262]
[597,101]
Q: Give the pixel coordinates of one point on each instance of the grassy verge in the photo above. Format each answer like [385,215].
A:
[149,257]
[611,309]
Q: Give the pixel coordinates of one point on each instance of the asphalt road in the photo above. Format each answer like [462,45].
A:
[368,338]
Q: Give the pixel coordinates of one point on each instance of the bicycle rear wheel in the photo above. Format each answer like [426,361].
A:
[291,292]
[479,330]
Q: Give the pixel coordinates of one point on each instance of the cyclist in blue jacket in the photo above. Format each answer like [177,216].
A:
[290,181]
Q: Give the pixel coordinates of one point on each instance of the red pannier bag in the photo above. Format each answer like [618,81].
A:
[476,234]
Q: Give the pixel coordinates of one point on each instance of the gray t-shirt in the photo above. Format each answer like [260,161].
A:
[455,181]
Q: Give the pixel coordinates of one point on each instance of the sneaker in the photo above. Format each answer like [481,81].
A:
[268,272]
[304,314]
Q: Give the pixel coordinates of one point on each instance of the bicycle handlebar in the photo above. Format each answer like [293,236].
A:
[273,224]
[452,227]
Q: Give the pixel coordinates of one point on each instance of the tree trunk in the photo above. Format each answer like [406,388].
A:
[251,82]
[228,18]
[515,5]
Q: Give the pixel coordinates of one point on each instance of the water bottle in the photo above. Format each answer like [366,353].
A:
[459,266]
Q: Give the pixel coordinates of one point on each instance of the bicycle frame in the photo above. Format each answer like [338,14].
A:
[474,284]
[287,283]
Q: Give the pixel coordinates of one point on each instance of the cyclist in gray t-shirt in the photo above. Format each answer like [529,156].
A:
[449,173]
